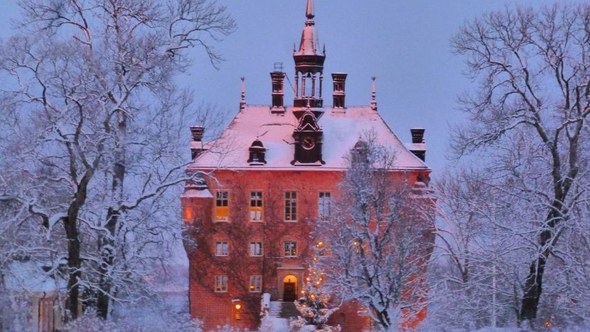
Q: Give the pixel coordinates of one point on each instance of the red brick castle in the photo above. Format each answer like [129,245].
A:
[260,186]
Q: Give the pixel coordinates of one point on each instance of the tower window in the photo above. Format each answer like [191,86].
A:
[308,85]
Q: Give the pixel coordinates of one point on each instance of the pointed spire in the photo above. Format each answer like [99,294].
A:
[309,41]
[309,10]
[373,94]
[243,100]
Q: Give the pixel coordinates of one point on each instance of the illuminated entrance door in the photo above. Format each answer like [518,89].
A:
[289,288]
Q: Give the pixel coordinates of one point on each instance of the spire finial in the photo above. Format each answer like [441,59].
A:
[243,100]
[309,10]
[309,13]
[373,94]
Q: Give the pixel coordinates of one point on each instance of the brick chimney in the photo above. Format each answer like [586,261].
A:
[278,91]
[197,141]
[339,93]
[417,135]
[418,147]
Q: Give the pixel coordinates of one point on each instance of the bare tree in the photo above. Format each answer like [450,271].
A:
[380,236]
[533,91]
[92,130]
[478,274]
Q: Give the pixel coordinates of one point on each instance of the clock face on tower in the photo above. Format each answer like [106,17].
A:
[308,142]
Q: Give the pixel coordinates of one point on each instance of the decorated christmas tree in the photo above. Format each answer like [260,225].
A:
[313,306]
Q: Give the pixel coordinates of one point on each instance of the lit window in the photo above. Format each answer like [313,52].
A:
[222,206]
[255,248]
[256,206]
[324,205]
[255,284]
[221,248]
[290,249]
[188,213]
[291,206]
[220,284]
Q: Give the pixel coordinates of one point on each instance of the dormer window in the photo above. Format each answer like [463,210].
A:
[257,153]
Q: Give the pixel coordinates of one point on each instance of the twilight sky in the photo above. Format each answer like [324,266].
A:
[404,43]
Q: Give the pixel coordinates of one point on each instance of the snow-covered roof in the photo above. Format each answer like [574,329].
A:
[342,128]
[29,276]
[197,193]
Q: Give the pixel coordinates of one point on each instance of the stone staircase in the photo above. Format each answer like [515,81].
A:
[274,309]
[282,313]
[273,322]
[288,310]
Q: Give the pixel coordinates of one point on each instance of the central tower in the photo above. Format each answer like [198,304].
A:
[309,69]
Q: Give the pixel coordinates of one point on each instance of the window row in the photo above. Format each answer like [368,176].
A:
[222,205]
[254,284]
[222,248]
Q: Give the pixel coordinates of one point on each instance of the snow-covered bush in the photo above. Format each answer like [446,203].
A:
[136,321]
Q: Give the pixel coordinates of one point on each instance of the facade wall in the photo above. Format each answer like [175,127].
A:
[277,272]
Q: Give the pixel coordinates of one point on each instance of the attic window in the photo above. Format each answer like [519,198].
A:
[257,153]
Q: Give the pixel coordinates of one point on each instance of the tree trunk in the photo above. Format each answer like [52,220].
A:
[74,265]
[533,289]
[107,253]
[533,286]
[107,240]
[74,246]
